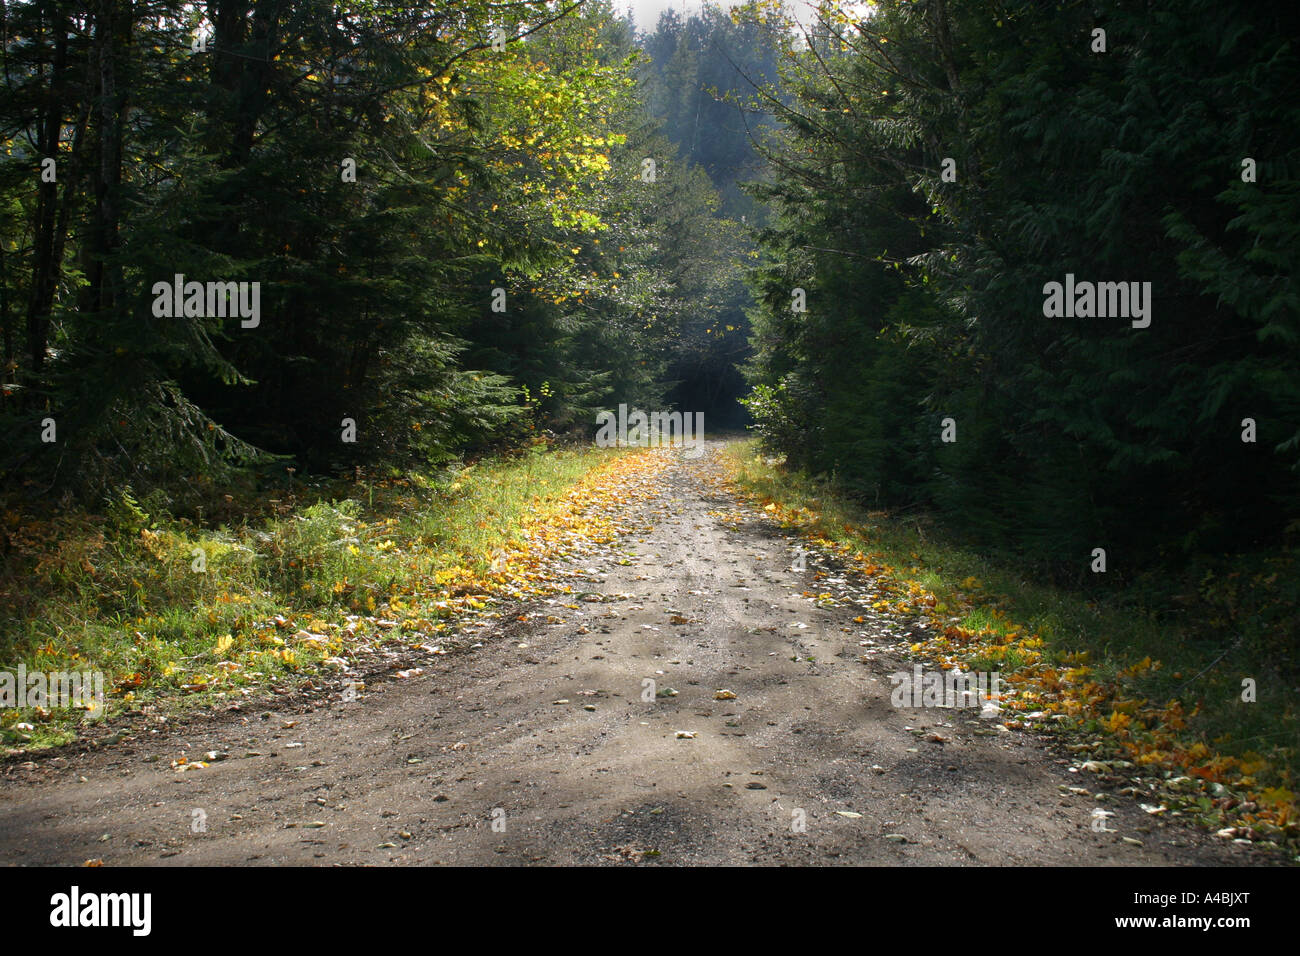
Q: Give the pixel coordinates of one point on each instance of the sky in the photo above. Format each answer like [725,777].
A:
[647,12]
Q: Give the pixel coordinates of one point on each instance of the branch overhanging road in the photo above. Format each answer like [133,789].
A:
[539,747]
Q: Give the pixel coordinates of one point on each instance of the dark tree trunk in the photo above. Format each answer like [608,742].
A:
[112,27]
[45,239]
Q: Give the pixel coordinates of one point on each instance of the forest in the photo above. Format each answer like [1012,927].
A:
[456,248]
[453,243]
[283,282]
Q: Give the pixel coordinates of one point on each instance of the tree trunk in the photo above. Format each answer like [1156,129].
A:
[45,240]
[112,26]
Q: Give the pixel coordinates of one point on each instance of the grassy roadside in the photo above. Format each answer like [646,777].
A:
[287,584]
[1148,700]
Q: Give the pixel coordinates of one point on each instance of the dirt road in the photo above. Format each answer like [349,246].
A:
[541,746]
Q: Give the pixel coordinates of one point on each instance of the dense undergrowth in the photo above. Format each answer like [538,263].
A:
[279,584]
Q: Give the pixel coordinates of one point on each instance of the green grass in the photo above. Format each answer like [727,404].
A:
[122,591]
[1203,648]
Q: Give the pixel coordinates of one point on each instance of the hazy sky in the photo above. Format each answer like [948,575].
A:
[647,12]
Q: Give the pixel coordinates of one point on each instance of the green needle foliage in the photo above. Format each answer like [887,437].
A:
[925,293]
[380,170]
